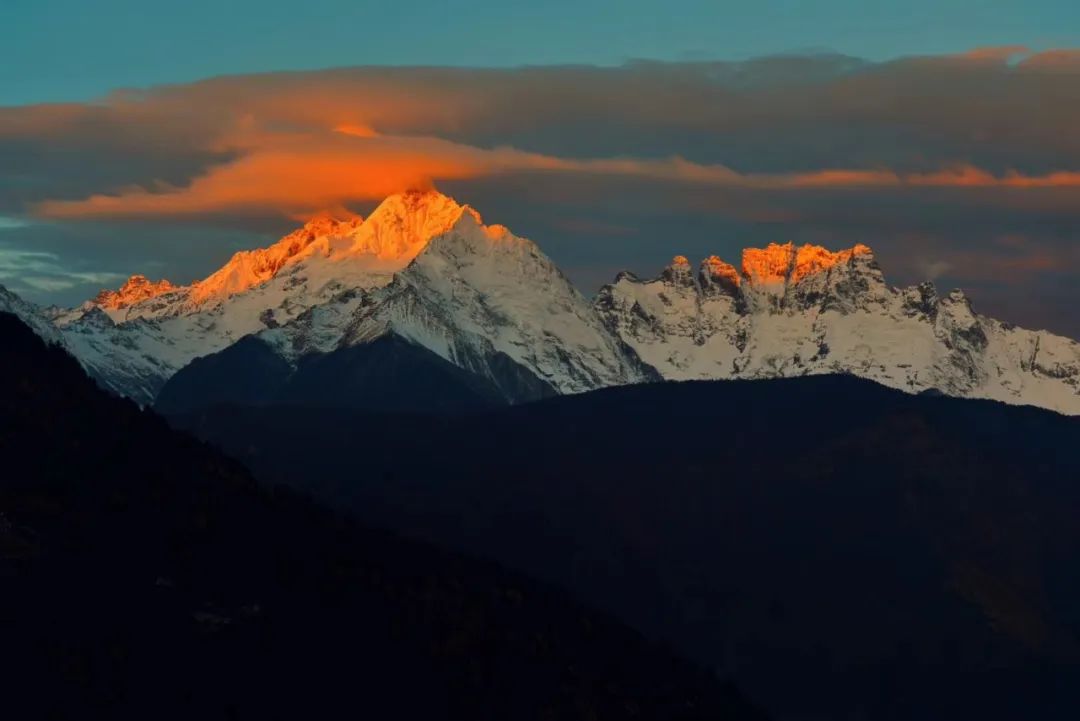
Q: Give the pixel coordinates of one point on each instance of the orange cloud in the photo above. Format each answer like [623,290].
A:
[1053,60]
[839,179]
[304,174]
[356,130]
[964,176]
[295,173]
[1000,53]
[295,142]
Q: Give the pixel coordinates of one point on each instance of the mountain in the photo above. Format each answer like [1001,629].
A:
[129,361]
[158,328]
[147,576]
[138,288]
[840,549]
[793,311]
[385,374]
[429,272]
[30,315]
[476,296]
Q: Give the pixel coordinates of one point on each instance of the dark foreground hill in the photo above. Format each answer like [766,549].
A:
[144,576]
[842,550]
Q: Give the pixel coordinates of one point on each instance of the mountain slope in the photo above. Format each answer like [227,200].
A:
[149,577]
[30,315]
[841,549]
[387,374]
[477,293]
[800,311]
[159,328]
[477,297]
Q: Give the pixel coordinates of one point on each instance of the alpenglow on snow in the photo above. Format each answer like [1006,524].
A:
[427,271]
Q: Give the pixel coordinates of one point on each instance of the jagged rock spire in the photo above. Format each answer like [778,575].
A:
[718,278]
[678,272]
[136,288]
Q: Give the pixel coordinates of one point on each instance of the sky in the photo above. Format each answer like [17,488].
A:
[56,50]
[161,137]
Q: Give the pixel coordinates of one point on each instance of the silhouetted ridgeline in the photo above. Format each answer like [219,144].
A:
[841,549]
[145,576]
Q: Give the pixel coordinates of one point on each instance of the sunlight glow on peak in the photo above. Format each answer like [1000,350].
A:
[779,263]
[137,288]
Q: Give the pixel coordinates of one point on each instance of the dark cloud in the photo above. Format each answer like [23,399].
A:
[930,160]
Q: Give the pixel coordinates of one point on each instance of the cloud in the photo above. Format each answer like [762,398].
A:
[628,163]
[293,177]
[303,174]
[11,223]
[26,270]
[288,142]
[1051,60]
[934,269]
[668,109]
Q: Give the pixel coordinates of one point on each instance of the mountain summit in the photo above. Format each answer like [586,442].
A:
[137,288]
[476,298]
[331,246]
[388,239]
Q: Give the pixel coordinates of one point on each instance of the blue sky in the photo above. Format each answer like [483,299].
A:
[54,50]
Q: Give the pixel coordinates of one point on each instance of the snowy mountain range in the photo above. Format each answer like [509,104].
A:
[792,311]
[427,274]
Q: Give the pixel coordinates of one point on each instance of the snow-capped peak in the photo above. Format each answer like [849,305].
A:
[31,315]
[812,259]
[403,224]
[166,326]
[804,310]
[329,223]
[788,264]
[137,288]
[250,268]
[484,299]
[678,272]
[769,265]
[399,228]
[717,277]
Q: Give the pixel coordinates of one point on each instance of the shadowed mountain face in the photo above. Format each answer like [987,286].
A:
[145,576]
[841,549]
[388,374]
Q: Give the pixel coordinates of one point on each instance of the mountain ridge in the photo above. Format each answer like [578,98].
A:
[909,553]
[428,270]
[477,296]
[152,577]
[794,311]
[161,332]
